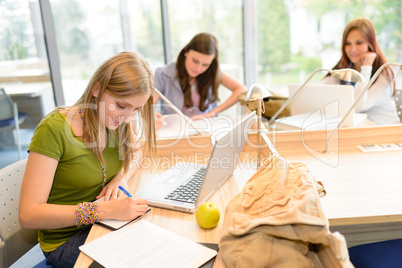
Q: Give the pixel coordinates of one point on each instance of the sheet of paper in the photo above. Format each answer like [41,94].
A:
[144,244]
[177,127]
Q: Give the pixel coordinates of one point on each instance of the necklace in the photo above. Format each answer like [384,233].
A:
[81,111]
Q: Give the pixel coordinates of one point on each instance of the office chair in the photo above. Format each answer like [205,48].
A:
[398,102]
[10,118]
[14,241]
[384,254]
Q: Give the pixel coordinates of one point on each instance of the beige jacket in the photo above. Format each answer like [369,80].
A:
[275,218]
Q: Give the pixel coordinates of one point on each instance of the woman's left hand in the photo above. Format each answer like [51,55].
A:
[111,190]
[203,116]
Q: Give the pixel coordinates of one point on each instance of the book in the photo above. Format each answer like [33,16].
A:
[144,244]
[176,127]
[116,224]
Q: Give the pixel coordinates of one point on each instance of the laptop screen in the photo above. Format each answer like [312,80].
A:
[330,100]
[225,156]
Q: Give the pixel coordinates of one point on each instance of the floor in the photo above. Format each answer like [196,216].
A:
[30,259]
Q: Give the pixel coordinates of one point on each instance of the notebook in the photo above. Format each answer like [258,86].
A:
[224,157]
[117,224]
[321,105]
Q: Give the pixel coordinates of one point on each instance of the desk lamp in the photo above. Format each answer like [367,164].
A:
[257,93]
[346,75]
[171,105]
[327,149]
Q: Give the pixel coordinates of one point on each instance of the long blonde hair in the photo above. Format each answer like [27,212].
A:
[124,75]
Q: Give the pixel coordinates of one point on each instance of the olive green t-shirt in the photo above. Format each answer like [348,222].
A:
[78,176]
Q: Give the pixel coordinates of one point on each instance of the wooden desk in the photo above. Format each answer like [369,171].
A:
[28,90]
[363,198]
[26,76]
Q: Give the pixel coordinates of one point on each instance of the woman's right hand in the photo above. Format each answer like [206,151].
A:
[123,208]
[159,121]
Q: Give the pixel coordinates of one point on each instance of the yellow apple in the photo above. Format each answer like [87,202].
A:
[207,215]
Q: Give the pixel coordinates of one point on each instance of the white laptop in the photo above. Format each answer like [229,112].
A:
[170,189]
[320,105]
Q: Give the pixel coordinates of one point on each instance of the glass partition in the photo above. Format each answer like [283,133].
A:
[24,73]
[222,18]
[296,37]
[89,32]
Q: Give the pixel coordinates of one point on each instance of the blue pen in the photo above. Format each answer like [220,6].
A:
[125,191]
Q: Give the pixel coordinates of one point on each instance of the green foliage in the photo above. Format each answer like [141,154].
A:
[385,15]
[222,18]
[273,35]
[15,45]
[149,41]
[307,64]
[71,38]
[15,29]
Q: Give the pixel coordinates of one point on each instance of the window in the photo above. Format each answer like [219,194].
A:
[89,32]
[24,71]
[295,37]
[222,18]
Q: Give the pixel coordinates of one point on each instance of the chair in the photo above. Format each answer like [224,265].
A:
[383,254]
[10,118]
[14,241]
[398,102]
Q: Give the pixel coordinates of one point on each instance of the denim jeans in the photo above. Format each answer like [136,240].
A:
[66,254]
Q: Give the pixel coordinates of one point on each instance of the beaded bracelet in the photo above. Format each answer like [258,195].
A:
[87,213]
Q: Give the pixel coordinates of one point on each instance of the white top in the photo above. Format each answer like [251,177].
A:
[378,102]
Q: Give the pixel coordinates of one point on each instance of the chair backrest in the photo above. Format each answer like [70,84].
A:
[14,241]
[398,102]
[6,105]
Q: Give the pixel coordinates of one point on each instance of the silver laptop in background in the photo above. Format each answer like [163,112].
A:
[329,99]
[223,160]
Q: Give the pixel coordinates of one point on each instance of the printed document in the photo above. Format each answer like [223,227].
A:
[143,244]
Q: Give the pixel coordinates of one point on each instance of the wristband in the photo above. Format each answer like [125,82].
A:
[86,213]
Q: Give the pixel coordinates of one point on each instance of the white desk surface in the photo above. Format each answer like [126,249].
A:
[362,188]
[26,89]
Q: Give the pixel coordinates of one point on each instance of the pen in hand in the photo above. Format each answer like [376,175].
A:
[125,191]
[129,195]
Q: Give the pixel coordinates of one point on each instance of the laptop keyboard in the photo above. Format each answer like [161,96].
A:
[188,192]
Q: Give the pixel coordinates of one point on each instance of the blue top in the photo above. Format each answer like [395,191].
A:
[168,84]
